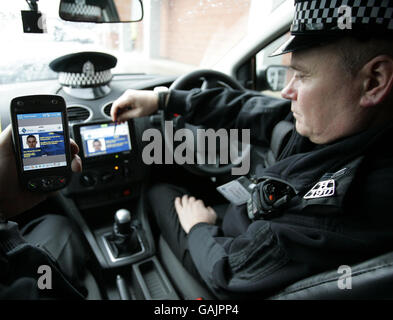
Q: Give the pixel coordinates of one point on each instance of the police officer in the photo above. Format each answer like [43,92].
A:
[335,173]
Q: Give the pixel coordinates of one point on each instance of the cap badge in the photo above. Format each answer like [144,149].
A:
[88,68]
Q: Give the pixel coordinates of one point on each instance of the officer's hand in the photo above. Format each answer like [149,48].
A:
[192,211]
[134,104]
[13,199]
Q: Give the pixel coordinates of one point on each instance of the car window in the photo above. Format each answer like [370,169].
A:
[175,37]
[263,60]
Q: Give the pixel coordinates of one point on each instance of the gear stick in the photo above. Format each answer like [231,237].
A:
[122,223]
[124,238]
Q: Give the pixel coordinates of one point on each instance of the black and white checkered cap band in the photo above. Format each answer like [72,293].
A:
[77,9]
[323,15]
[81,80]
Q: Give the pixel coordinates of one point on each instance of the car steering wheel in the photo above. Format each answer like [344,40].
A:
[210,79]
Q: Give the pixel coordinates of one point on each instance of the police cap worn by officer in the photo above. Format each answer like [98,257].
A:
[318,22]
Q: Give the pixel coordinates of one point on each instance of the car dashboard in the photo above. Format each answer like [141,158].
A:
[111,179]
[104,176]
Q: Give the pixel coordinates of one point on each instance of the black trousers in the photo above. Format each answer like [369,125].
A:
[61,239]
[161,198]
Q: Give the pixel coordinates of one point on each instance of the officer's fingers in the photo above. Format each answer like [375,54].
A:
[200,202]
[126,115]
[191,199]
[115,107]
[125,101]
[118,109]
[185,200]
[213,215]
[178,205]
[76,164]
[211,211]
[180,199]
[74,147]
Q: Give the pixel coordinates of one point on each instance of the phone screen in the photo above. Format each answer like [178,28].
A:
[41,140]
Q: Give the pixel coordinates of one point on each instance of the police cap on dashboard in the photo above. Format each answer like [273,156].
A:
[84,69]
[317,22]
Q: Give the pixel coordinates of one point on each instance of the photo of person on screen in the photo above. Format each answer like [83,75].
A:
[96,145]
[31,142]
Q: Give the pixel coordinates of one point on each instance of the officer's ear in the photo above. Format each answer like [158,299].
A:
[377,77]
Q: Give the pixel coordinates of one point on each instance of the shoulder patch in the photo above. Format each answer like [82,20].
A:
[322,189]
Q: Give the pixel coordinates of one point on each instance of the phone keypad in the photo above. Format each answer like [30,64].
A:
[50,183]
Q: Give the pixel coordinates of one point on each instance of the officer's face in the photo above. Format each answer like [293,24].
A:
[325,97]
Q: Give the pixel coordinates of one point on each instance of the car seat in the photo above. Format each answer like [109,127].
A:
[371,279]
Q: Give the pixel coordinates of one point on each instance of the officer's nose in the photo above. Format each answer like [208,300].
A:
[289,92]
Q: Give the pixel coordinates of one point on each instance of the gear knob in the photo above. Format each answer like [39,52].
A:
[123,221]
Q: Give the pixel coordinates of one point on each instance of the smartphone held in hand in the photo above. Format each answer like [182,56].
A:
[41,142]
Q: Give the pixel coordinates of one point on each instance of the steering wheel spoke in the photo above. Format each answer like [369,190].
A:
[209,83]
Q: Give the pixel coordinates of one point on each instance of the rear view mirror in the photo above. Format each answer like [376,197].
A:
[274,78]
[101,11]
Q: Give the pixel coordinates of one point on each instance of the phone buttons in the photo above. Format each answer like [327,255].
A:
[40,184]
[47,183]
[32,185]
[54,182]
[60,181]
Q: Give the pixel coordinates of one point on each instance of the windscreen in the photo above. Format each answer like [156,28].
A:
[41,140]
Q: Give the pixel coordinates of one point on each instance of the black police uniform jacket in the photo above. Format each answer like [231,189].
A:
[312,234]
[19,270]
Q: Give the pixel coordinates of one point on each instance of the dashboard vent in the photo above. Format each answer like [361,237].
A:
[78,114]
[107,109]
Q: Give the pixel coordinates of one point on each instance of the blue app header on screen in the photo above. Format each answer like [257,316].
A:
[38,115]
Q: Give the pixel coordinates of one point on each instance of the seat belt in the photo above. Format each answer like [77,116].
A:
[280,136]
